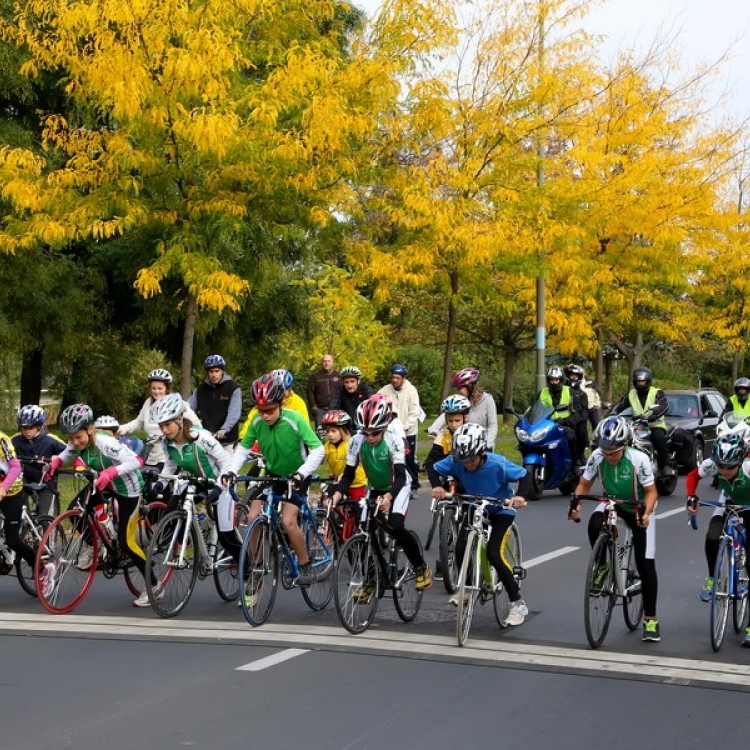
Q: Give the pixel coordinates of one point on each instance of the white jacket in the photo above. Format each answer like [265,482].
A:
[405,405]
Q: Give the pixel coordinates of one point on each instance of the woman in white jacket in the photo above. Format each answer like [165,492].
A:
[159,385]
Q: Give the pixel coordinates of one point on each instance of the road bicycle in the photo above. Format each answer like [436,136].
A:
[72,535]
[730,574]
[477,579]
[611,573]
[342,519]
[367,566]
[185,546]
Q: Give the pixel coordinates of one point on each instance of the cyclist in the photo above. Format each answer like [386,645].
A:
[337,425]
[739,403]
[290,449]
[729,463]
[483,409]
[482,472]
[382,454]
[626,474]
[454,410]
[353,391]
[291,399]
[118,472]
[35,443]
[159,385]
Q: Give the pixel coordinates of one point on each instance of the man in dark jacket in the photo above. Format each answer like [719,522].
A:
[352,392]
[322,388]
[218,401]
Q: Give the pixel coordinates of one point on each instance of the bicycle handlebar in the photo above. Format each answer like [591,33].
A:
[694,502]
[576,499]
[464,497]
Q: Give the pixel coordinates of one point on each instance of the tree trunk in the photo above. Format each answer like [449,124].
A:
[450,336]
[599,365]
[607,386]
[31,377]
[509,362]
[188,340]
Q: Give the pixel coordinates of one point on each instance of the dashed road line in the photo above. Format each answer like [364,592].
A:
[272,660]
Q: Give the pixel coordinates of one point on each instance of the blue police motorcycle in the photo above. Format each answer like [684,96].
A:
[543,446]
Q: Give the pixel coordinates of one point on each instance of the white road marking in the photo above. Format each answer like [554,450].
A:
[272,660]
[549,556]
[673,512]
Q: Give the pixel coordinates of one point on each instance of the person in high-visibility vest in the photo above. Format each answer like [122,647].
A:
[557,393]
[644,399]
[739,403]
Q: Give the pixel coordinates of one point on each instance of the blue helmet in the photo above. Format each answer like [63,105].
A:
[214,360]
[286,378]
[401,370]
[729,451]
[31,415]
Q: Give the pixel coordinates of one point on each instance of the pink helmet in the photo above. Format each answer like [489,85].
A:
[465,378]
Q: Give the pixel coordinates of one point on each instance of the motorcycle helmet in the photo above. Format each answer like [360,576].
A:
[741,388]
[729,451]
[469,441]
[642,378]
[555,373]
[575,374]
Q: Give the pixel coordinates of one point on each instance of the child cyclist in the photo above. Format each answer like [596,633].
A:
[118,471]
[381,452]
[481,472]
[454,410]
[290,449]
[730,464]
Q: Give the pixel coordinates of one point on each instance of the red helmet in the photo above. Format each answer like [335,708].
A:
[465,378]
[268,390]
[336,418]
[376,413]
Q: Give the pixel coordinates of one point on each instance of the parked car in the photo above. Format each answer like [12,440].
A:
[692,417]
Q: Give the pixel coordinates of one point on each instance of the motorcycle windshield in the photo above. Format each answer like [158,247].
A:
[537,412]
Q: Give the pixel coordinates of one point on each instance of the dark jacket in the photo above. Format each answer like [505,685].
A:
[322,388]
[43,445]
[349,402]
[219,407]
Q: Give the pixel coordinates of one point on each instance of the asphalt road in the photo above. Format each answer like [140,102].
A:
[112,676]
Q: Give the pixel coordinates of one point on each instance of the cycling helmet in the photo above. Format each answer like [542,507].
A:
[267,390]
[455,404]
[160,374]
[552,373]
[286,378]
[106,422]
[75,417]
[167,408]
[31,415]
[613,432]
[401,370]
[469,441]
[350,371]
[336,418]
[375,413]
[741,384]
[642,374]
[465,378]
[729,451]
[135,444]
[214,360]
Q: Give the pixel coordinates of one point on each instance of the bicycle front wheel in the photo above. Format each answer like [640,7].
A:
[450,524]
[599,596]
[739,603]
[406,598]
[322,543]
[148,519]
[720,597]
[31,535]
[259,570]
[632,602]
[171,563]
[225,569]
[510,552]
[469,582]
[61,547]
[357,584]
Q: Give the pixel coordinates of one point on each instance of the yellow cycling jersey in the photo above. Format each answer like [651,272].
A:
[7,454]
[292,401]
[335,458]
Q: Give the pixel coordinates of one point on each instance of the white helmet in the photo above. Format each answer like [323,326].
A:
[165,376]
[167,408]
[469,441]
[106,422]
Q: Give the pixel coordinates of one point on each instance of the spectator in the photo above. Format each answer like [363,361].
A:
[353,391]
[322,388]
[218,401]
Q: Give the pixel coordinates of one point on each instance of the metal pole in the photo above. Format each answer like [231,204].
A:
[541,342]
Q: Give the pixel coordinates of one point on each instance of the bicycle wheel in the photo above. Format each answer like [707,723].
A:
[510,551]
[720,597]
[61,546]
[226,575]
[259,569]
[632,602]
[171,563]
[469,582]
[357,588]
[739,603]
[450,524]
[406,598]
[599,596]
[322,545]
[31,535]
[431,533]
[148,519]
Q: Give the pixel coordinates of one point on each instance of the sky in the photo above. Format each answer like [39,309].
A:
[704,30]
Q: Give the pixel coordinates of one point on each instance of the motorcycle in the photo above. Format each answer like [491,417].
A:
[543,446]
[730,426]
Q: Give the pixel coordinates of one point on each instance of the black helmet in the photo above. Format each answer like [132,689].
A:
[575,374]
[741,384]
[641,374]
[558,374]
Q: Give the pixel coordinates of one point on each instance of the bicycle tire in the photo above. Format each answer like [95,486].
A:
[511,552]
[739,603]
[356,570]
[449,530]
[61,545]
[149,516]
[259,567]
[632,604]
[322,544]
[225,569]
[433,526]
[406,598]
[599,601]
[174,578]
[720,595]
[468,593]
[24,571]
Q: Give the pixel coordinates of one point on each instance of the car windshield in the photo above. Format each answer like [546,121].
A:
[683,405]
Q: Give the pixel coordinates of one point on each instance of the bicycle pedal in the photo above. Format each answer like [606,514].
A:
[519,572]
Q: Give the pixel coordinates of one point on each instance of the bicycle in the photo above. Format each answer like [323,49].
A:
[367,567]
[65,539]
[185,546]
[611,574]
[267,556]
[477,579]
[341,519]
[34,488]
[730,576]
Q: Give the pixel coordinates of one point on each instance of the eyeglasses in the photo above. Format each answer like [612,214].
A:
[268,409]
[372,433]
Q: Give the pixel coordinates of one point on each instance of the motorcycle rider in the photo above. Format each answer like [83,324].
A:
[644,399]
[575,374]
[739,403]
